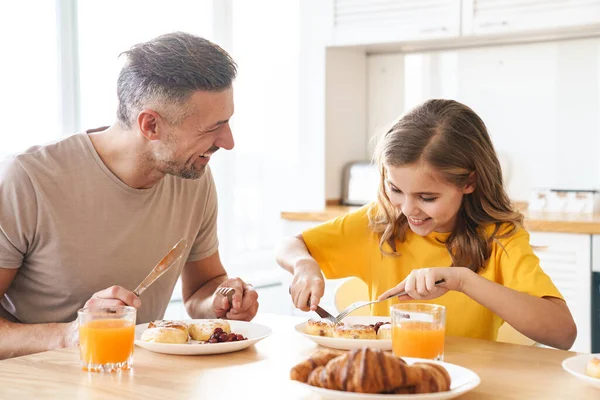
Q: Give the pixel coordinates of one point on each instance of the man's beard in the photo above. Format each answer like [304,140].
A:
[183,171]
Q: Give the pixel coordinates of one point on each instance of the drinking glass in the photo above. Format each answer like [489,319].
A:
[418,330]
[106,338]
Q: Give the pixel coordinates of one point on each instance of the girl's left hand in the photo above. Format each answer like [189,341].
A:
[420,284]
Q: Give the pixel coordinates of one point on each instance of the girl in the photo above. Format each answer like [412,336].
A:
[441,213]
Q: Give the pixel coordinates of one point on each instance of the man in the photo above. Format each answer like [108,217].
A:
[85,219]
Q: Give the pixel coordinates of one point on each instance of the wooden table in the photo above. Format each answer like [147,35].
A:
[262,372]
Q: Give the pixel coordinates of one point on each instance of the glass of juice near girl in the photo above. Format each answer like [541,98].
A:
[418,330]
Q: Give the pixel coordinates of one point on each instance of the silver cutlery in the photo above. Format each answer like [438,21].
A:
[227,292]
[320,311]
[163,266]
[358,304]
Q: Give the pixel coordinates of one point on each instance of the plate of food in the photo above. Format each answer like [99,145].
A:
[199,336]
[351,333]
[374,374]
[585,367]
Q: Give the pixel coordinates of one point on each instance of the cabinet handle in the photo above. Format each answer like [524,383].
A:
[493,23]
[539,248]
[434,29]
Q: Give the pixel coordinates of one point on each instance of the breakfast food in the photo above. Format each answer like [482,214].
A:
[179,332]
[354,332]
[384,332]
[202,331]
[321,327]
[220,336]
[169,324]
[373,371]
[164,335]
[318,359]
[326,328]
[593,368]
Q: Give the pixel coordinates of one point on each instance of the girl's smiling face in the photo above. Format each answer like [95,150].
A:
[429,203]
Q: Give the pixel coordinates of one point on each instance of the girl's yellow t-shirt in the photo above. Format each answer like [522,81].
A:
[346,246]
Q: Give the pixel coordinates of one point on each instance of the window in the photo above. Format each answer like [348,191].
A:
[29,75]
[107,28]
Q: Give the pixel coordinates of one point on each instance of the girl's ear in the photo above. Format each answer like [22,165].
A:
[470,186]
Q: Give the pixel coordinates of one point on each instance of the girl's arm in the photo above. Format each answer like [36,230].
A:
[546,320]
[308,284]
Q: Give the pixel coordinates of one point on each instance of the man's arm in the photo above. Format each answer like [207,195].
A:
[22,339]
[199,281]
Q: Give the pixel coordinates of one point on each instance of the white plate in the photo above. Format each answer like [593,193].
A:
[349,344]
[254,332]
[462,381]
[576,366]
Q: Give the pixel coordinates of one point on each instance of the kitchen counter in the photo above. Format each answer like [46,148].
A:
[534,221]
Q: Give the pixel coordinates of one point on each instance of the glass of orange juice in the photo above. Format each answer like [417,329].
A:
[418,330]
[106,338]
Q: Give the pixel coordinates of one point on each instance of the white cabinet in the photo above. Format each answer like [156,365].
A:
[506,16]
[566,258]
[357,22]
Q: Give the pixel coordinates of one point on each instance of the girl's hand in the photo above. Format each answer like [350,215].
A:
[307,287]
[420,284]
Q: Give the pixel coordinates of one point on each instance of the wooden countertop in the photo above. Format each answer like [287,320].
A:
[534,221]
[507,371]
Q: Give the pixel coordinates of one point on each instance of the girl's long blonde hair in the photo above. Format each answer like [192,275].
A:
[450,138]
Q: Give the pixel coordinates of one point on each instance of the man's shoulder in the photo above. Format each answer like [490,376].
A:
[58,145]
[57,153]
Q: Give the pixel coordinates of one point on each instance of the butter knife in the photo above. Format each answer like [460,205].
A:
[163,266]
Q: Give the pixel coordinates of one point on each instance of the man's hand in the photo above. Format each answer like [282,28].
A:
[245,301]
[112,297]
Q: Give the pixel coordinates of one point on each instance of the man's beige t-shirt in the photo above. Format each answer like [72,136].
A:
[73,228]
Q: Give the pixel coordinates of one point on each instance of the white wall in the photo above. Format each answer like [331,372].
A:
[541,103]
[346,120]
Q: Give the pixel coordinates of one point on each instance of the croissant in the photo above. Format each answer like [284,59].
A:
[369,370]
[435,378]
[301,371]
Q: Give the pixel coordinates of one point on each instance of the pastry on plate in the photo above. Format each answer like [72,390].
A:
[368,370]
[162,323]
[384,332]
[204,329]
[319,358]
[164,335]
[356,331]
[593,368]
[319,327]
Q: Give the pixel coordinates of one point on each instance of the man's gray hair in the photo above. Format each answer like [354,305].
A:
[163,73]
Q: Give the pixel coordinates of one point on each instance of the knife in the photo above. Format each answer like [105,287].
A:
[320,310]
[163,266]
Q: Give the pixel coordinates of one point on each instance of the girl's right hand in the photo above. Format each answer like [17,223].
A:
[308,286]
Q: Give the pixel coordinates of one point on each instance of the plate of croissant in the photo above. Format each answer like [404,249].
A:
[585,367]
[199,336]
[374,374]
[351,333]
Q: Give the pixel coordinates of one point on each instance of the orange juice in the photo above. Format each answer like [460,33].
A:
[106,341]
[418,339]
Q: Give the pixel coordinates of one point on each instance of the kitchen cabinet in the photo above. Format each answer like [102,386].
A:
[357,22]
[482,17]
[567,258]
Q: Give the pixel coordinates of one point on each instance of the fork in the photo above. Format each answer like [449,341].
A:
[358,304]
[227,292]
